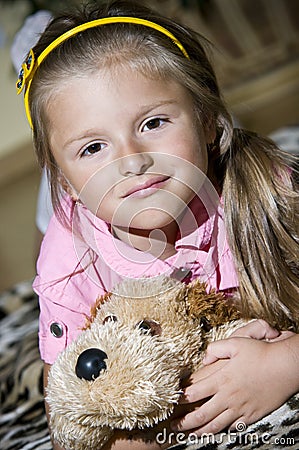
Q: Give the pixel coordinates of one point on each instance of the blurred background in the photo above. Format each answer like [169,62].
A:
[256,57]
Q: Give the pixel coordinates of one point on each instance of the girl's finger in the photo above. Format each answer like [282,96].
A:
[224,349]
[257,329]
[217,424]
[212,417]
[283,335]
[199,391]
[206,372]
[196,418]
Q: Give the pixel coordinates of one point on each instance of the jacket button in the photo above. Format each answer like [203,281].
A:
[182,274]
[56,329]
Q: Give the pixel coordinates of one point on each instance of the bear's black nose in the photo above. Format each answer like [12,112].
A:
[90,363]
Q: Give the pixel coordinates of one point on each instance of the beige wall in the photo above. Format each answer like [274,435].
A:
[17,230]
[18,171]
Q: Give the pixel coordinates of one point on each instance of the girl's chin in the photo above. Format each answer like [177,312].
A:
[147,221]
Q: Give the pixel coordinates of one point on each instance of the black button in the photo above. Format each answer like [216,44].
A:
[181,274]
[56,329]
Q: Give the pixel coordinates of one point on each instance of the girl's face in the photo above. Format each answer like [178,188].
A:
[129,146]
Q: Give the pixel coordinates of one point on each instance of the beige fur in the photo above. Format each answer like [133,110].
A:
[141,383]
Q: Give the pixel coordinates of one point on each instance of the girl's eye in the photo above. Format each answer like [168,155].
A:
[93,149]
[154,123]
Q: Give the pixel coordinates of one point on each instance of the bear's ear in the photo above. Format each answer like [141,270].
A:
[94,309]
[210,308]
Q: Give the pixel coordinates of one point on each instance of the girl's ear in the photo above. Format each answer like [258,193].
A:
[67,187]
[210,131]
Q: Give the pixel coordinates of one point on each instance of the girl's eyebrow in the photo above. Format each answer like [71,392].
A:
[86,134]
[146,109]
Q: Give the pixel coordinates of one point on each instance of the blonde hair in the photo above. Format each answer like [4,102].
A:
[254,177]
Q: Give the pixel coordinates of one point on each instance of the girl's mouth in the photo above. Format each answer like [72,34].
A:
[147,188]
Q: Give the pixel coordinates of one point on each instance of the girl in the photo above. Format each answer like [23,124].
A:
[148,177]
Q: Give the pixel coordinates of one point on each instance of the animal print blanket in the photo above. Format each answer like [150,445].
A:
[22,420]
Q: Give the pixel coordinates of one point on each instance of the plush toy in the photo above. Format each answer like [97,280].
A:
[124,371]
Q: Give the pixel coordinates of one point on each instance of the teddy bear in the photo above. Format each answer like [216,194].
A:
[125,369]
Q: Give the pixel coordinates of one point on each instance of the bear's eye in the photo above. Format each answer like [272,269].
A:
[110,318]
[205,324]
[150,327]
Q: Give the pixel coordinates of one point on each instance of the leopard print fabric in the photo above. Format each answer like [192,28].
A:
[23,423]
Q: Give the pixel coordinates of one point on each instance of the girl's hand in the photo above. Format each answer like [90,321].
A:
[244,379]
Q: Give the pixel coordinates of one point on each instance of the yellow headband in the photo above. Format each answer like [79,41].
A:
[30,65]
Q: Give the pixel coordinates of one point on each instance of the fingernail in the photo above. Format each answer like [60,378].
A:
[174,425]
[184,398]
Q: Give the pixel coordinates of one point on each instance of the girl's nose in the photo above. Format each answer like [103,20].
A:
[135,163]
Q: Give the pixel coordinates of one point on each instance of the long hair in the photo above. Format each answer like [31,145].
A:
[261,210]
[253,176]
